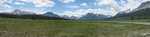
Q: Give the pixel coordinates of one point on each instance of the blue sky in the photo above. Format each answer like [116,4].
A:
[71,7]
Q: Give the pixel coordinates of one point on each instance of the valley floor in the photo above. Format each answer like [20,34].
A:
[72,28]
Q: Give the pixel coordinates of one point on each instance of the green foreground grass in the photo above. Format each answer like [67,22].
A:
[68,28]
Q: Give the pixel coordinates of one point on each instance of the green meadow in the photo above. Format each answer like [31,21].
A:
[10,27]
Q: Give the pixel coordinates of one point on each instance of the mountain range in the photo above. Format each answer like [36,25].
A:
[142,12]
[30,15]
[92,16]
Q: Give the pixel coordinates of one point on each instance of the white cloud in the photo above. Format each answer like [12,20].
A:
[6,10]
[19,3]
[38,3]
[67,1]
[80,12]
[4,6]
[3,2]
[7,6]
[115,7]
[112,4]
[43,3]
[37,11]
[100,2]
[132,4]
[83,4]
[27,1]
[73,6]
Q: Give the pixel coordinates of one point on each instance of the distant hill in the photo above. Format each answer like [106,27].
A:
[142,12]
[22,12]
[50,14]
[30,15]
[93,16]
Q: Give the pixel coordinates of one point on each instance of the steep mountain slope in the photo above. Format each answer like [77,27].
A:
[142,12]
[93,16]
[50,14]
[144,5]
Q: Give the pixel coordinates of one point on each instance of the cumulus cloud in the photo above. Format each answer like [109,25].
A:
[113,5]
[120,5]
[72,6]
[19,3]
[83,4]
[80,12]
[26,1]
[38,3]
[43,3]
[3,1]
[34,10]
[100,2]
[4,5]
[67,1]
[132,4]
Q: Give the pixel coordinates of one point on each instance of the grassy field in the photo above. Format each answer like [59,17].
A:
[10,27]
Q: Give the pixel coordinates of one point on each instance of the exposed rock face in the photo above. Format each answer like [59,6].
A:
[144,5]
[142,12]
[94,16]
